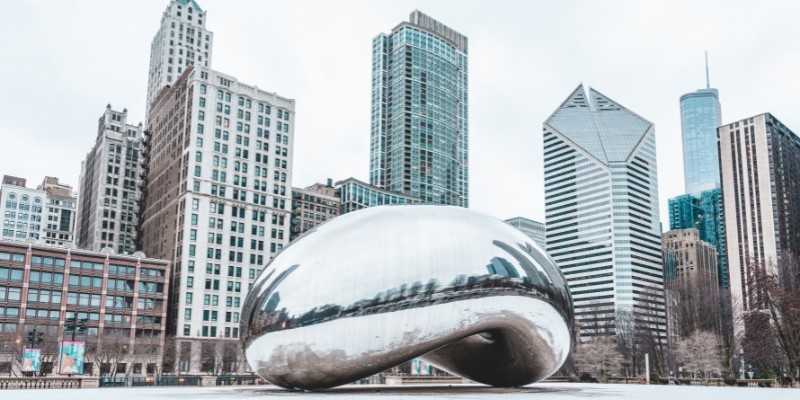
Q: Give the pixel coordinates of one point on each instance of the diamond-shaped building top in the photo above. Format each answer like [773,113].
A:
[599,125]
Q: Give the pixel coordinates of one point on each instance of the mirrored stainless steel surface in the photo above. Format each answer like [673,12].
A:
[374,288]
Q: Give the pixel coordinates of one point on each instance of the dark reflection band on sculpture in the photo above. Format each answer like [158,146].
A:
[372,289]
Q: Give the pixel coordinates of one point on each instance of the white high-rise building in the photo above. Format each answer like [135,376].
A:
[110,186]
[602,219]
[217,203]
[181,41]
[759,160]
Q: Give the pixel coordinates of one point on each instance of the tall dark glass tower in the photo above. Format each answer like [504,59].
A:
[419,112]
[701,206]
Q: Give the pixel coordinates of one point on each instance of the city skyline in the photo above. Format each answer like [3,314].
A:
[517,74]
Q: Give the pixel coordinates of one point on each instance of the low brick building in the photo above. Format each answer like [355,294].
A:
[120,299]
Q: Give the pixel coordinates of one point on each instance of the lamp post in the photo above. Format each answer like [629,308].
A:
[741,358]
[74,325]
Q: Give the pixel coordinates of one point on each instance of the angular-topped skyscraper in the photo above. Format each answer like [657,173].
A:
[602,218]
[700,116]
[419,112]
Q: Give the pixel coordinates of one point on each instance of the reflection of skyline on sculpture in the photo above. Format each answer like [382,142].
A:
[473,272]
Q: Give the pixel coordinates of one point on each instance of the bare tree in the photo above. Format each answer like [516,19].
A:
[111,350]
[697,303]
[597,319]
[598,357]
[11,348]
[169,363]
[627,341]
[700,354]
[773,319]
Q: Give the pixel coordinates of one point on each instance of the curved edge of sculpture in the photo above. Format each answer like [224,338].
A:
[372,289]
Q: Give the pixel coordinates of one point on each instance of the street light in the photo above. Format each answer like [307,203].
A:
[741,370]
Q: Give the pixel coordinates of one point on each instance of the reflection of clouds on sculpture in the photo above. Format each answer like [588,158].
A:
[374,288]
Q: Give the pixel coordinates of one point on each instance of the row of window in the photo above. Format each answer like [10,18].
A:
[44,296]
[15,257]
[11,274]
[213,300]
[211,331]
[210,315]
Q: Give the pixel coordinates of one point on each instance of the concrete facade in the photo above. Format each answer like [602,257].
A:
[759,164]
[312,206]
[217,204]
[182,40]
[110,186]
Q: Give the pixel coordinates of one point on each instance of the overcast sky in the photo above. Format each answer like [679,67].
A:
[61,62]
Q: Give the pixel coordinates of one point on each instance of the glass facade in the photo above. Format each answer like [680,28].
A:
[355,195]
[703,211]
[601,206]
[419,126]
[700,116]
[535,230]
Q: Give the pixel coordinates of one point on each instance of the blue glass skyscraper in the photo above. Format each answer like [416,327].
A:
[701,206]
[701,114]
[419,126]
[703,211]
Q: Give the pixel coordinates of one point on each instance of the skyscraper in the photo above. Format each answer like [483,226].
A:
[217,203]
[700,116]
[419,112]
[759,160]
[602,218]
[108,202]
[181,41]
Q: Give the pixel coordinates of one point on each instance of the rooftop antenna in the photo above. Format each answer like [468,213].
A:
[708,85]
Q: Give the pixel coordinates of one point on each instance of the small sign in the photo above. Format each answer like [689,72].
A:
[31,360]
[70,359]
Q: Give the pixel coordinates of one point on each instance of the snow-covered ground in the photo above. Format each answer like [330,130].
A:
[542,391]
